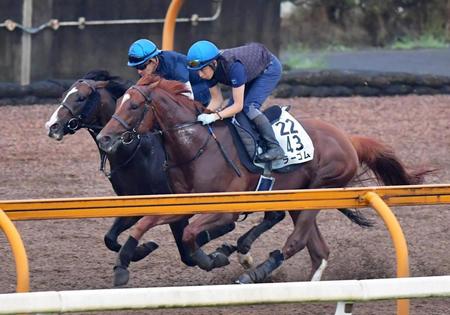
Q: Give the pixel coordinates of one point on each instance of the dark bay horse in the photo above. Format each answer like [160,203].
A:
[135,168]
[198,165]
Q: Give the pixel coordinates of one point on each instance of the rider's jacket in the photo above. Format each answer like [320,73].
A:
[254,57]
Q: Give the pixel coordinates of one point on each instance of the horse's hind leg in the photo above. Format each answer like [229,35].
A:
[299,238]
[319,253]
[245,242]
[270,219]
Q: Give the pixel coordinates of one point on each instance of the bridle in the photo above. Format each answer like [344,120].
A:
[78,120]
[130,134]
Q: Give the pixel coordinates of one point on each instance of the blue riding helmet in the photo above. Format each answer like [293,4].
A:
[141,51]
[201,54]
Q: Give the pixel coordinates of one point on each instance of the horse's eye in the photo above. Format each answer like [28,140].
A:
[134,106]
[81,98]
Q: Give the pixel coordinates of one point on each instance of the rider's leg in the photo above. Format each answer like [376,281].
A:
[274,151]
[256,93]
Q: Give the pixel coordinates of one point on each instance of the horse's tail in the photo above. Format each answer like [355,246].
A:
[357,217]
[383,162]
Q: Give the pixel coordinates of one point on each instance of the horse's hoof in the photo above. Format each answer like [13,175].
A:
[144,250]
[243,247]
[226,249]
[244,279]
[121,276]
[111,243]
[219,259]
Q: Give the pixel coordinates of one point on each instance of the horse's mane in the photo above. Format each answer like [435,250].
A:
[174,89]
[116,85]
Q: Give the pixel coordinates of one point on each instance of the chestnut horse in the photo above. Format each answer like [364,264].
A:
[136,168]
[198,161]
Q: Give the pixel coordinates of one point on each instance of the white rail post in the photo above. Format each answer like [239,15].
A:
[344,308]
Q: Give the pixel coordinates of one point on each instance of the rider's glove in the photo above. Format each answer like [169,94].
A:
[207,119]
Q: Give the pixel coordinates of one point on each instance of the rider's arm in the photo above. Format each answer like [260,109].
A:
[238,78]
[216,98]
[236,107]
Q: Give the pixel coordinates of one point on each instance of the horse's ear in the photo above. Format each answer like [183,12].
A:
[101,84]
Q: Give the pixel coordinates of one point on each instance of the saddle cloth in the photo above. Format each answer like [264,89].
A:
[292,137]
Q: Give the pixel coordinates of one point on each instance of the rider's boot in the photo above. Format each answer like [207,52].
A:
[274,151]
[121,273]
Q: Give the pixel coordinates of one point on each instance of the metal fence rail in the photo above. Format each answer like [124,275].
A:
[76,208]
[224,295]
[377,197]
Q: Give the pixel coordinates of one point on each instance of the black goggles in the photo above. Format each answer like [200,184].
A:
[133,59]
[142,66]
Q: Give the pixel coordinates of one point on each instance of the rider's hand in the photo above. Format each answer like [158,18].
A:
[207,119]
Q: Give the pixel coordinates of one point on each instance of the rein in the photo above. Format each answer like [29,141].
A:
[103,158]
[131,133]
[196,156]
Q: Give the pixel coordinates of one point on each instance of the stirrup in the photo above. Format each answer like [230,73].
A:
[267,157]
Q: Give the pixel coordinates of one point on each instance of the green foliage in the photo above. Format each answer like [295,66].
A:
[424,41]
[299,57]
[368,23]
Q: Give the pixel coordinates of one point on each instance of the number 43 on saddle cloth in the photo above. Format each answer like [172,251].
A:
[292,137]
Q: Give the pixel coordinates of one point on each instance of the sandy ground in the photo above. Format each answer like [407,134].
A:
[69,254]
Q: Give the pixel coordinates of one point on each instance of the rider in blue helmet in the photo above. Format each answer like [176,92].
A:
[253,73]
[145,56]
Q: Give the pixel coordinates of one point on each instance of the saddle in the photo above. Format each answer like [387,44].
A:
[290,134]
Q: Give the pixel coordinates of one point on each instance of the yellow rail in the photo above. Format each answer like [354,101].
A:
[398,238]
[378,197]
[77,208]
[169,24]
[20,255]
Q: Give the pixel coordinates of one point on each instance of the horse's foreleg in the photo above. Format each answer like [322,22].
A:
[204,237]
[121,273]
[207,222]
[177,229]
[129,249]
[120,224]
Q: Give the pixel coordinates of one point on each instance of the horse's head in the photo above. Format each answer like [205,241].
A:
[151,103]
[77,108]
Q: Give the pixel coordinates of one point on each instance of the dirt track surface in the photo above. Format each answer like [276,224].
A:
[69,254]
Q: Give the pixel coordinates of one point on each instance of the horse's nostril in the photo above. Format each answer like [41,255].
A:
[54,127]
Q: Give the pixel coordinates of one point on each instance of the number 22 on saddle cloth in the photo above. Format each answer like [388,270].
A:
[292,137]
